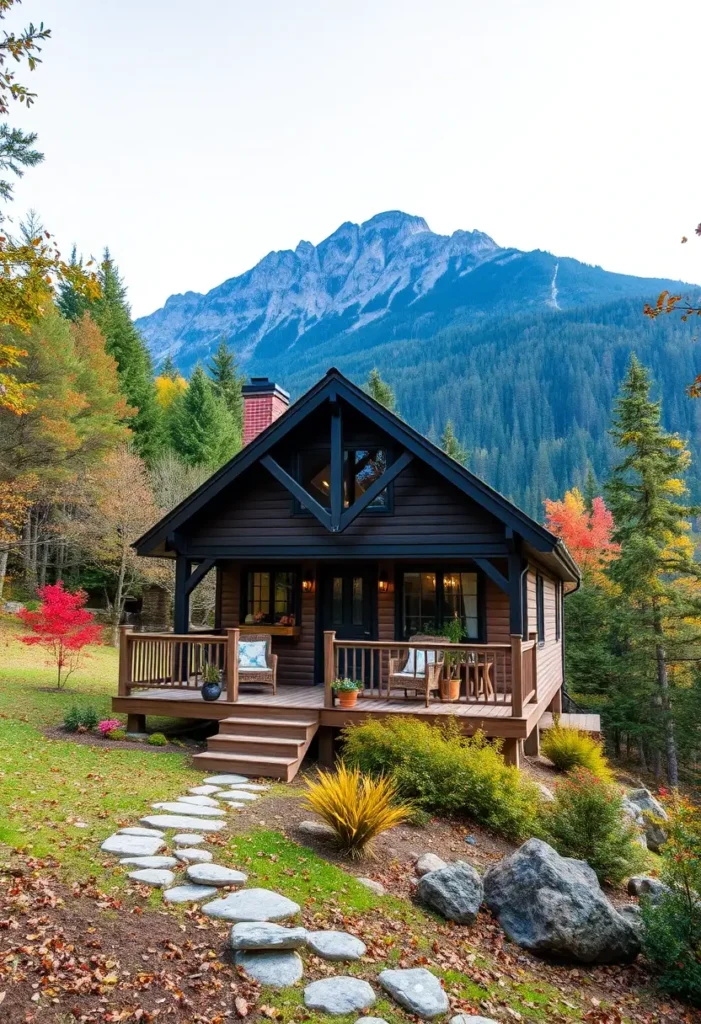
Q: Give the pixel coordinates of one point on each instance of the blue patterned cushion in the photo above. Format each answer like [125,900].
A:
[420,662]
[252,654]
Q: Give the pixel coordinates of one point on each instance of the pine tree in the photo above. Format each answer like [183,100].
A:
[202,429]
[112,314]
[227,382]
[657,577]
[169,369]
[451,446]
[590,491]
[71,302]
[382,392]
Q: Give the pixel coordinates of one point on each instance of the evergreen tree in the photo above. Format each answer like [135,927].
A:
[201,427]
[227,382]
[590,491]
[382,392]
[71,302]
[169,369]
[451,446]
[656,574]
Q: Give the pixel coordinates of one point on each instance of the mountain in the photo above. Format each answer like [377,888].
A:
[523,351]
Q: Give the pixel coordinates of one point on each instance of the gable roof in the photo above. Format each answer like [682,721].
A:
[335,385]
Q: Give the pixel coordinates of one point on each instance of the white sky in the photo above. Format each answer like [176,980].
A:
[194,137]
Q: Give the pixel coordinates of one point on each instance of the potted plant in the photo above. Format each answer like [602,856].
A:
[211,682]
[452,660]
[347,690]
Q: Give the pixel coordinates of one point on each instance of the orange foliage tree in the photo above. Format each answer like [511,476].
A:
[587,532]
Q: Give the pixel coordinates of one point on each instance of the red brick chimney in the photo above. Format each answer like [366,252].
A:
[263,402]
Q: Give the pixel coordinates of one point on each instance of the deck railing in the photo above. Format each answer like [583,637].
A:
[176,660]
[490,674]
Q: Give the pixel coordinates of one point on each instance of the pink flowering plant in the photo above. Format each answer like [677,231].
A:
[108,724]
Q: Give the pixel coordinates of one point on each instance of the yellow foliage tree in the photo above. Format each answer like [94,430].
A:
[168,389]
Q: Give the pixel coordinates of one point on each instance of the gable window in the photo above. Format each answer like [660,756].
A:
[361,467]
[431,599]
[269,598]
[540,608]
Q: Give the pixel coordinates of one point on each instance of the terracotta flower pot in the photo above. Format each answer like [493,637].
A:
[450,689]
[347,698]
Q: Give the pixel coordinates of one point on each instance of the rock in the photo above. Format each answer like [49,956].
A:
[266,935]
[254,787]
[649,814]
[455,891]
[182,821]
[277,967]
[549,797]
[199,801]
[646,885]
[150,862]
[132,846]
[12,607]
[241,795]
[465,1018]
[370,883]
[153,876]
[428,862]
[647,803]
[632,913]
[417,990]
[175,807]
[333,945]
[655,836]
[371,1020]
[252,905]
[632,810]
[204,790]
[224,780]
[215,874]
[188,839]
[193,856]
[554,906]
[188,893]
[318,829]
[137,831]
[339,995]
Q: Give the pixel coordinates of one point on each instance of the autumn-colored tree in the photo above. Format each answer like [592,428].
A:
[63,627]
[168,389]
[587,534]
[15,396]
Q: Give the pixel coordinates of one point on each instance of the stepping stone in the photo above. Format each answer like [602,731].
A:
[266,935]
[240,794]
[252,905]
[371,1020]
[467,1018]
[137,831]
[224,780]
[133,846]
[204,790]
[199,812]
[215,874]
[253,787]
[188,894]
[199,801]
[370,883]
[193,856]
[153,876]
[188,839]
[339,995]
[234,804]
[417,990]
[150,862]
[336,945]
[179,821]
[279,968]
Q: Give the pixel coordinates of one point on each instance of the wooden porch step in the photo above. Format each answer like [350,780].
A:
[291,729]
[284,768]
[269,712]
[270,745]
[250,744]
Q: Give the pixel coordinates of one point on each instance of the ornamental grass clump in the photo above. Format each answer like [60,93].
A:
[569,748]
[586,821]
[357,807]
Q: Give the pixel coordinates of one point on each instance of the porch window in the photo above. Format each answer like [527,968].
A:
[361,467]
[432,599]
[270,598]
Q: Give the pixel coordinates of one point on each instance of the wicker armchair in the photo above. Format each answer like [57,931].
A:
[417,670]
[259,676]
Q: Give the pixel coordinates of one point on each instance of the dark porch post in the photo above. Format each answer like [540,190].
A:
[181,604]
[517,604]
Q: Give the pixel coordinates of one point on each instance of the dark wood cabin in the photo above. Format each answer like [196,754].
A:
[350,541]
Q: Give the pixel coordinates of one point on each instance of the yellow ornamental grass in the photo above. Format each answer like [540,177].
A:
[569,748]
[357,807]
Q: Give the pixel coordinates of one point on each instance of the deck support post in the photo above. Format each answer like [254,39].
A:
[124,661]
[556,703]
[329,666]
[531,744]
[517,675]
[511,750]
[326,754]
[136,723]
[232,665]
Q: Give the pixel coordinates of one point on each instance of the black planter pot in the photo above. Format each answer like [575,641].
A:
[211,691]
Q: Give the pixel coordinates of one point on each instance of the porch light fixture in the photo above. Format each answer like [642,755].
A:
[383,583]
[308,585]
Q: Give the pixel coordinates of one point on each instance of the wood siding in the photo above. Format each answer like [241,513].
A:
[549,656]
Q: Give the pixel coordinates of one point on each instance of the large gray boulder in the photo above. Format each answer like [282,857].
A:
[455,891]
[647,885]
[554,906]
[648,812]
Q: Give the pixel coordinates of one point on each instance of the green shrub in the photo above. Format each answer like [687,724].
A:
[439,770]
[33,605]
[586,821]
[569,748]
[157,739]
[116,734]
[672,938]
[76,717]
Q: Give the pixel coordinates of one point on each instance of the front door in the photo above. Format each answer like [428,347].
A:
[348,606]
